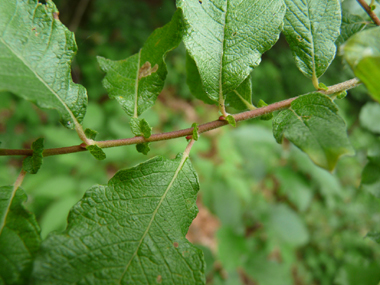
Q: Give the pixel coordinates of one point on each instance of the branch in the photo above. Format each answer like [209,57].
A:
[185,132]
[369,11]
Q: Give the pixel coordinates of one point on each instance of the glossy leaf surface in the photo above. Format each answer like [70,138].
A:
[131,231]
[36,51]
[313,125]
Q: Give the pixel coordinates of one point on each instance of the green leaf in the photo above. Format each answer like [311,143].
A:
[371,174]
[32,164]
[313,125]
[375,236]
[368,71]
[311,29]
[19,237]
[140,127]
[195,131]
[265,117]
[226,41]
[36,45]
[131,231]
[369,114]
[362,52]
[96,152]
[361,45]
[231,120]
[288,226]
[351,24]
[241,98]
[194,81]
[137,81]
[143,148]
[91,134]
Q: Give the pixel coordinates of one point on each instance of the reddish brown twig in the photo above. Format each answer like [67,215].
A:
[369,11]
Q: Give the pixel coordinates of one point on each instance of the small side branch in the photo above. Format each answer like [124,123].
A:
[369,11]
[181,133]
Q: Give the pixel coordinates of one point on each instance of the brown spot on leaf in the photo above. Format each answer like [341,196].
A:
[56,15]
[146,69]
[159,279]
[175,244]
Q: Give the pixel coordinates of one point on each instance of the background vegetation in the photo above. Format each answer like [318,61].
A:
[268,215]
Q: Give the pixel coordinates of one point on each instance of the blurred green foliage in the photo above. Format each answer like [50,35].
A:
[282,219]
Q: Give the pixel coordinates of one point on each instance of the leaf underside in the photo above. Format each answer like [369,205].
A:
[313,125]
[19,237]
[311,29]
[137,81]
[227,38]
[131,231]
[36,51]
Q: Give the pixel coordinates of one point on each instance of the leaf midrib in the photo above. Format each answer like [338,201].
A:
[181,163]
[40,79]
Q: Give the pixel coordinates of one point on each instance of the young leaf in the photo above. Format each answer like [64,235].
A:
[195,131]
[140,127]
[265,117]
[311,29]
[131,231]
[96,152]
[362,52]
[91,134]
[351,24]
[313,125]
[137,81]
[143,148]
[227,38]
[36,45]
[241,98]
[32,164]
[231,120]
[19,237]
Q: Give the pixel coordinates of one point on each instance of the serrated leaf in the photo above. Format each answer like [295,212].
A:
[313,125]
[96,152]
[226,41]
[143,148]
[351,24]
[19,237]
[311,29]
[131,231]
[91,134]
[140,127]
[195,131]
[137,81]
[36,45]
[32,164]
